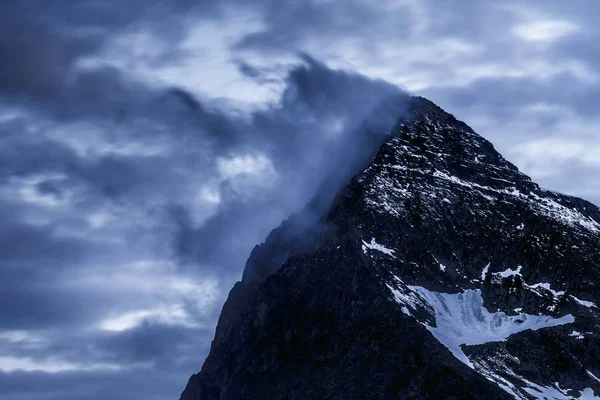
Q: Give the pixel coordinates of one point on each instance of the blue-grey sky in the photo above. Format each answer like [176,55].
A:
[147,146]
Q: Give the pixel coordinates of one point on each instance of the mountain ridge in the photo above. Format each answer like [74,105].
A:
[438,226]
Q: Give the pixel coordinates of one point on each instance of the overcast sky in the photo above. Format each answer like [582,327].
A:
[147,146]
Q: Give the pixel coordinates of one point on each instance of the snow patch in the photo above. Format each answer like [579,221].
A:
[588,394]
[460,318]
[546,286]
[376,246]
[485,271]
[584,303]
[566,215]
[549,393]
[384,194]
[594,377]
[509,272]
[403,295]
[489,372]
[546,393]
[576,335]
[442,267]
[544,205]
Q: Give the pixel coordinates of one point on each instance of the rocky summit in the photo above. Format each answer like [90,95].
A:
[439,271]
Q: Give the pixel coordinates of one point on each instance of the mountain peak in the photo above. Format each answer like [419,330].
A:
[438,268]
[434,149]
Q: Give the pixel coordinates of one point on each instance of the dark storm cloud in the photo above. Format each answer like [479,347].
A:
[103,173]
[38,67]
[150,384]
[289,23]
[154,343]
[47,173]
[41,43]
[291,133]
[149,343]
[305,150]
[31,258]
[31,304]
[17,236]
[36,58]
[154,358]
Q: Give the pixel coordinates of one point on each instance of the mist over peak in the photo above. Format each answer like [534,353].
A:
[397,278]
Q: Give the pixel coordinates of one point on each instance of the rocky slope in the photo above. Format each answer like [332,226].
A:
[440,271]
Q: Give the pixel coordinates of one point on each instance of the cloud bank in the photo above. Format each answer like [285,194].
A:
[145,149]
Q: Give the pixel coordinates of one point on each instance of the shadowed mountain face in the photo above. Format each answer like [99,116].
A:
[439,271]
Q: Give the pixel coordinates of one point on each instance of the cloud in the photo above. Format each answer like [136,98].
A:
[289,150]
[140,162]
[76,385]
[293,25]
[131,208]
[543,31]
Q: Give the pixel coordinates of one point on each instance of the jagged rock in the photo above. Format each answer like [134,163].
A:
[439,271]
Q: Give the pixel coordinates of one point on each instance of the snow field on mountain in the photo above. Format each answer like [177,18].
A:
[461,318]
[376,246]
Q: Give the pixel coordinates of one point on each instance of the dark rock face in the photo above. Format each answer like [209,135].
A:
[440,271]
